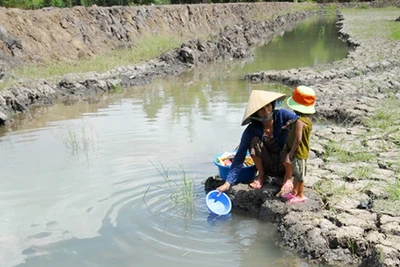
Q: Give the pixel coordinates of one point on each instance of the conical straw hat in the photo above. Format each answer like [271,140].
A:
[257,100]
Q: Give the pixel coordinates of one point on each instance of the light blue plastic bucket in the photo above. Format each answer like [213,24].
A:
[246,174]
[220,205]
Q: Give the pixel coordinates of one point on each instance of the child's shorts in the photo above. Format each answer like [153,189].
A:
[299,167]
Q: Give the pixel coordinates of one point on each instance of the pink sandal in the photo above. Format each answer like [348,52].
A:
[256,184]
[296,200]
[288,195]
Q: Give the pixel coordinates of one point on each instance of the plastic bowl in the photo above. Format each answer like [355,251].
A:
[220,205]
[246,174]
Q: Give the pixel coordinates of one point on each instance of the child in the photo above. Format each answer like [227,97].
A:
[297,146]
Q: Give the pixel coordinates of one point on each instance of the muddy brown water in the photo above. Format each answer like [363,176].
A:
[100,183]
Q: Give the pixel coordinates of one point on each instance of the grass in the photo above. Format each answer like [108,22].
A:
[386,206]
[329,189]
[144,48]
[377,28]
[394,28]
[385,118]
[362,172]
[333,191]
[394,190]
[81,141]
[117,89]
[182,189]
[345,153]
[293,8]
[352,245]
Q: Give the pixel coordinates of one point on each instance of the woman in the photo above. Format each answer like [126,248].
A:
[264,138]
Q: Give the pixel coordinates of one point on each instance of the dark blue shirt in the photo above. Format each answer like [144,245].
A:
[255,128]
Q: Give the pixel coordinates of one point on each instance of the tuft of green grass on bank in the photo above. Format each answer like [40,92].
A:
[334,191]
[143,48]
[295,7]
[386,117]
[344,154]
[384,124]
[394,30]
[391,204]
[384,28]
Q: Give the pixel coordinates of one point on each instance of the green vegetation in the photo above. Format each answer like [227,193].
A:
[294,8]
[344,153]
[387,117]
[182,189]
[385,206]
[81,141]
[382,135]
[385,29]
[35,4]
[352,245]
[362,172]
[144,48]
[394,190]
[333,191]
[117,89]
[395,30]
[329,189]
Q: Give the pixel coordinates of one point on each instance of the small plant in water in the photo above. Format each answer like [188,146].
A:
[117,89]
[182,190]
[77,141]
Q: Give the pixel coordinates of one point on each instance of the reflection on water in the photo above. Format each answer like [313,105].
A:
[313,42]
[81,185]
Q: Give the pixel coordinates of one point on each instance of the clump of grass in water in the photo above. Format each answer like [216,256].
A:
[117,89]
[77,142]
[182,190]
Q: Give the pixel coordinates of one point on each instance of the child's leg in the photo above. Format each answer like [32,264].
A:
[300,190]
[288,170]
[299,173]
[295,187]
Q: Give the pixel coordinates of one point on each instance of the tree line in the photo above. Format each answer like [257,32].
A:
[37,4]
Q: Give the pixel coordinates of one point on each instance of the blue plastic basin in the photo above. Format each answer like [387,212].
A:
[220,205]
[246,175]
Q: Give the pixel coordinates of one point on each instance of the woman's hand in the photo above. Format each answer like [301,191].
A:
[223,188]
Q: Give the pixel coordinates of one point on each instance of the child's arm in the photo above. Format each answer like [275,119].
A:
[297,138]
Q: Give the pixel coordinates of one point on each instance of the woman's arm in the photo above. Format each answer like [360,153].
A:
[237,163]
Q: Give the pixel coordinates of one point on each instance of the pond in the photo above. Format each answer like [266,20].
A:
[101,182]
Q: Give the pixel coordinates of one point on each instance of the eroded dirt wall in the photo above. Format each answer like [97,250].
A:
[67,34]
